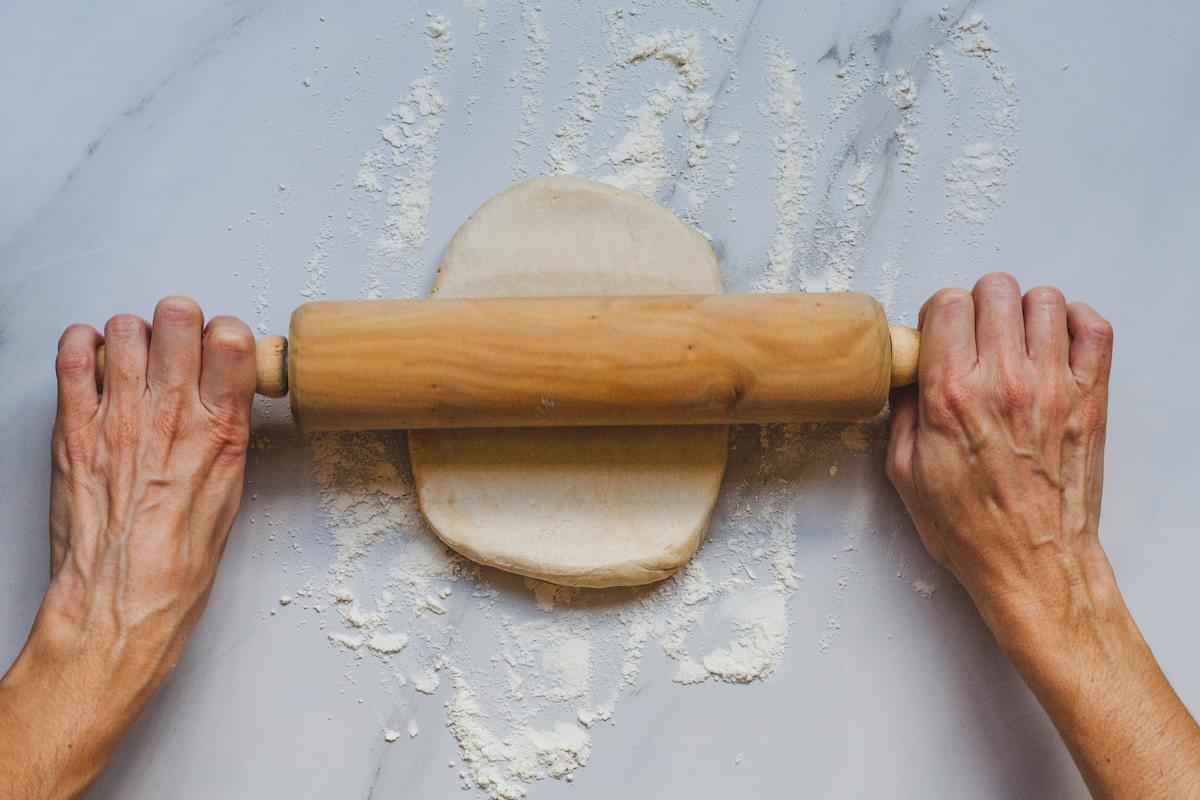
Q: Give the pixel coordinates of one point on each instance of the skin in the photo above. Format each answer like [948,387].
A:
[147,477]
[998,458]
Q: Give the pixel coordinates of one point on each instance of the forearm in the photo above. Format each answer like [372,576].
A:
[1085,660]
[63,711]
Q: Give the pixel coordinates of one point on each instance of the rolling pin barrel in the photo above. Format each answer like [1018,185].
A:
[636,360]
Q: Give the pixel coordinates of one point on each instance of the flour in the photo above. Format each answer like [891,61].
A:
[411,131]
[317,267]
[528,670]
[639,159]
[388,643]
[261,286]
[438,29]
[572,134]
[346,640]
[924,588]
[786,107]
[503,767]
[761,626]
[903,92]
[940,65]
[679,49]
[976,179]
[530,78]
[856,197]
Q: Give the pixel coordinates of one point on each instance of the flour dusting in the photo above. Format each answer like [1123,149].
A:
[527,672]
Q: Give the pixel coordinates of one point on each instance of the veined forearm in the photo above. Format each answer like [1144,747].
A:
[62,714]
[1127,730]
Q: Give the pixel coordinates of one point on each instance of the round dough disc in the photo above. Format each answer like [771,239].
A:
[576,506]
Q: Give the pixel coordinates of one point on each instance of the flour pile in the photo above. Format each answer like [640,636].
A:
[525,669]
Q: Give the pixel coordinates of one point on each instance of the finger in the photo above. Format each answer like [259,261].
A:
[75,366]
[174,360]
[227,367]
[902,437]
[1046,339]
[947,334]
[999,323]
[126,341]
[1091,344]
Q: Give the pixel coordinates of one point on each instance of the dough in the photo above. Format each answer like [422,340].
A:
[576,506]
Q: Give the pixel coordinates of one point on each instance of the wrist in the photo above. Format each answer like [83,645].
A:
[73,693]
[1064,601]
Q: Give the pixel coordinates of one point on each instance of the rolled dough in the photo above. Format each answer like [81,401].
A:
[577,506]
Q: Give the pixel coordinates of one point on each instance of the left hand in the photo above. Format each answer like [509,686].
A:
[147,478]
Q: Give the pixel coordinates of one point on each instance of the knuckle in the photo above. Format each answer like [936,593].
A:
[949,299]
[950,401]
[170,419]
[230,435]
[998,284]
[178,308]
[72,362]
[76,445]
[1099,329]
[121,432]
[230,335]
[125,325]
[1057,401]
[1013,390]
[1046,296]
[72,332]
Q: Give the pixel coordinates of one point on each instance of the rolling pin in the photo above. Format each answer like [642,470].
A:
[568,361]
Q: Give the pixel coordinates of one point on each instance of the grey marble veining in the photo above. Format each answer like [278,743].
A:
[142,151]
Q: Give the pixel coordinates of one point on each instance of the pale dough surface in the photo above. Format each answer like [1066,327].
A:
[588,506]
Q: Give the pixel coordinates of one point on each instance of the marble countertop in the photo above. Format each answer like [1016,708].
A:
[256,154]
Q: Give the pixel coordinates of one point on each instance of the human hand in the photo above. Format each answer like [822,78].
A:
[147,478]
[999,455]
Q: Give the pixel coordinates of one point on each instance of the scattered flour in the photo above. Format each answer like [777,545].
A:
[761,627]
[976,179]
[388,643]
[924,588]
[571,136]
[903,93]
[531,79]
[785,105]
[639,159]
[411,132]
[679,49]
[524,683]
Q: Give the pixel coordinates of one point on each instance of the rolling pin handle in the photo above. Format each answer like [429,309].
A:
[270,366]
[906,347]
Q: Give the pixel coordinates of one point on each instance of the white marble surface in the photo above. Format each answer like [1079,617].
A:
[143,151]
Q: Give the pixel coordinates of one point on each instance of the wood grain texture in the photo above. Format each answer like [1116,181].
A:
[620,360]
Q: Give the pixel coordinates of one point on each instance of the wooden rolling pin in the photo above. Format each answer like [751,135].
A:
[617,360]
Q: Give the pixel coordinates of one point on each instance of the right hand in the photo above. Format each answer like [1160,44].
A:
[998,454]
